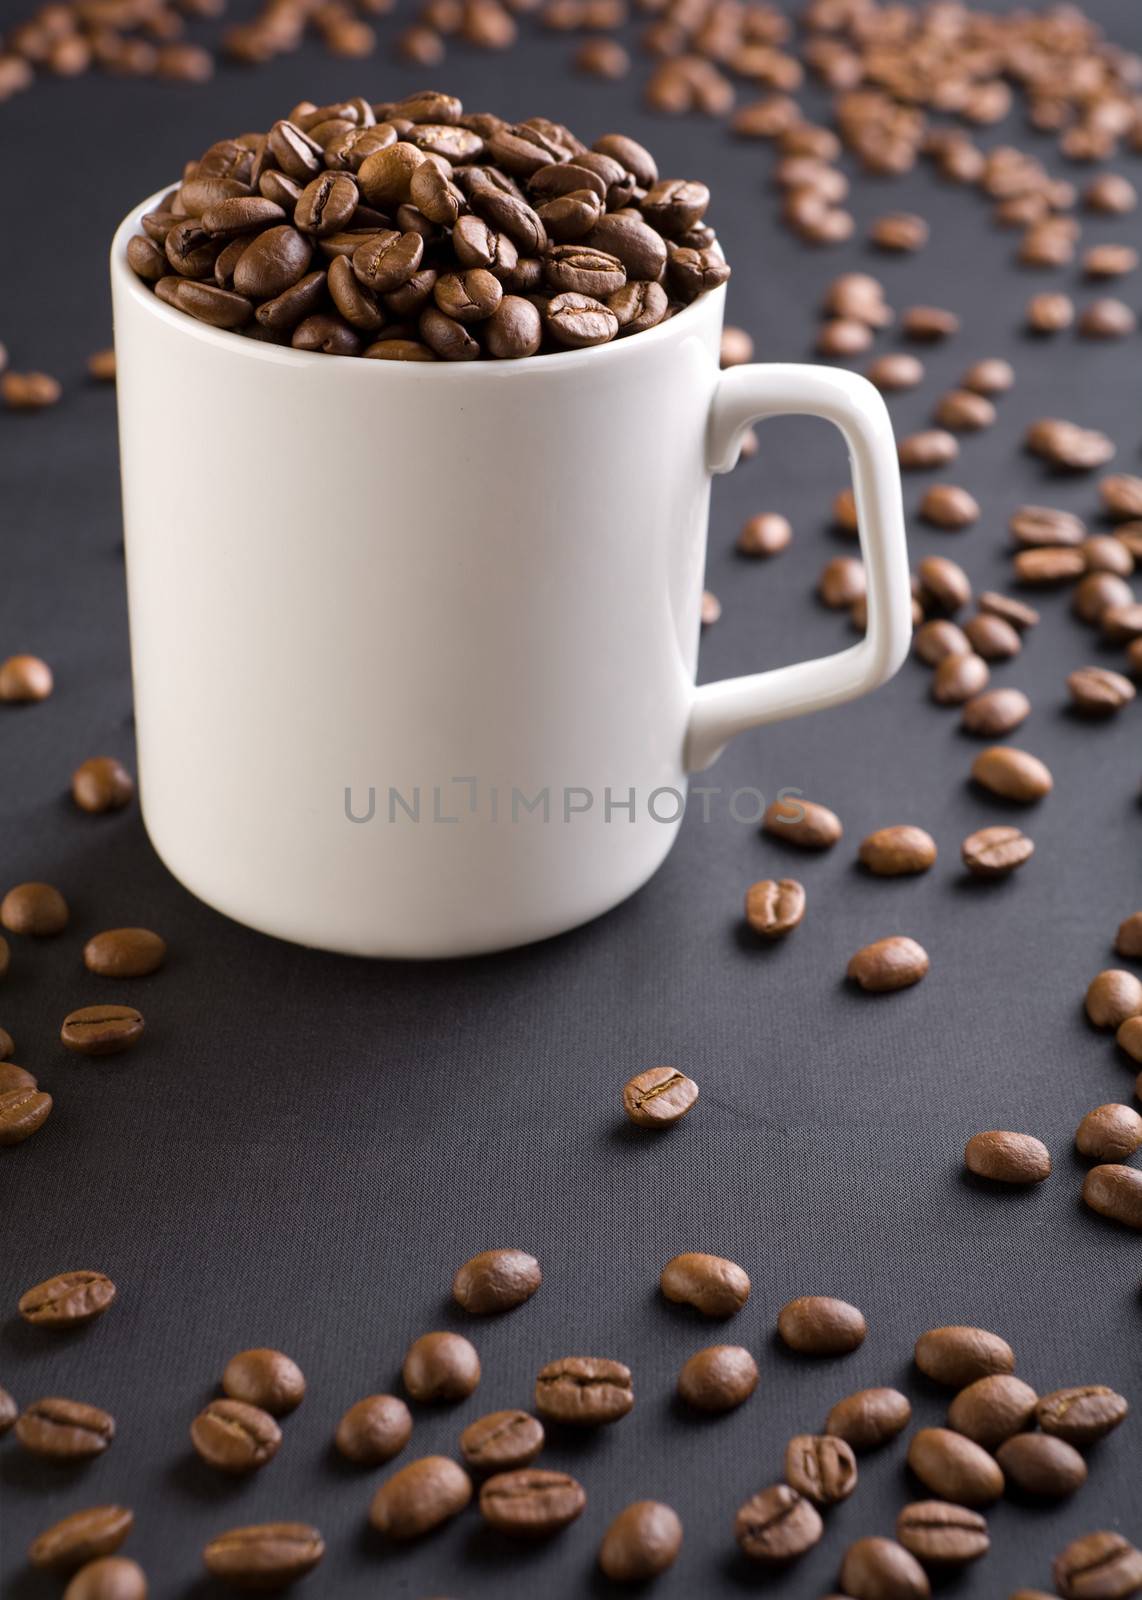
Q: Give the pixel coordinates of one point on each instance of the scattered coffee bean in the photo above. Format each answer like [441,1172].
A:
[1129,1038]
[802,822]
[955,1467]
[896,851]
[992,637]
[1121,623]
[844,512]
[898,370]
[841,582]
[765,535]
[496,1280]
[944,585]
[993,1408]
[1109,260]
[777,1525]
[994,852]
[35,909]
[1115,1192]
[374,1430]
[102,1030]
[23,1112]
[1049,313]
[869,1418]
[888,964]
[711,609]
[659,1097]
[101,366]
[1041,1465]
[1015,1158]
[531,1503]
[718,1378]
[1099,1566]
[1015,612]
[1081,1415]
[819,1325]
[841,337]
[941,1534]
[420,1497]
[1099,692]
[959,678]
[736,348]
[234,1437]
[937,639]
[109,1578]
[947,506]
[266,1555]
[1012,774]
[1037,527]
[67,1299]
[585,1391]
[931,447]
[102,784]
[1107,318]
[929,323]
[641,1543]
[124,953]
[996,712]
[9,1411]
[1110,193]
[958,1356]
[1112,997]
[712,1285]
[502,1441]
[264,1378]
[774,908]
[964,411]
[441,1367]
[1105,552]
[84,1536]
[64,1430]
[1067,446]
[7,1051]
[881,1569]
[858,295]
[990,376]
[899,231]
[820,1467]
[29,391]
[1127,941]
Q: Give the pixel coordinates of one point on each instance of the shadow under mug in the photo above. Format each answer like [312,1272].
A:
[414,644]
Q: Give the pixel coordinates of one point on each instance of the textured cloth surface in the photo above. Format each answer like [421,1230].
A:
[304,1147]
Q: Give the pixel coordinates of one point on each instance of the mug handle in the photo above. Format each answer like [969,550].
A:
[751,394]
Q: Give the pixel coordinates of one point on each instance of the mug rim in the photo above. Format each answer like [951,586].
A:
[229,339]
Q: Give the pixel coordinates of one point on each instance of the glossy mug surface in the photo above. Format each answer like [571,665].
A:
[405,637]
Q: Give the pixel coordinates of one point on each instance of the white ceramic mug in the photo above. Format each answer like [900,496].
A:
[463,587]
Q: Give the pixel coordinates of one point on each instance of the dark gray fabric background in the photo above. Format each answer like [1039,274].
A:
[305,1147]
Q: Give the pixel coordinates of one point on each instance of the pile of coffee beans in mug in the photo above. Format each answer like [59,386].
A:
[1000,1434]
[414,231]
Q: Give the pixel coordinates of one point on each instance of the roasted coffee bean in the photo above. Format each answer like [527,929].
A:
[958,678]
[109,1578]
[1115,1192]
[1098,593]
[219,308]
[993,1408]
[802,822]
[124,953]
[712,1285]
[777,1525]
[531,1503]
[29,391]
[1110,193]
[964,411]
[585,1391]
[388,260]
[514,330]
[819,1325]
[496,1280]
[857,294]
[735,351]
[420,1497]
[995,712]
[869,1418]
[955,1467]
[638,306]
[1107,318]
[35,909]
[935,640]
[1015,612]
[470,296]
[579,321]
[23,680]
[293,305]
[9,1411]
[899,231]
[1109,260]
[1127,941]
[774,909]
[191,249]
[1081,1415]
[1112,997]
[990,376]
[941,1534]
[881,1569]
[1041,1465]
[273,262]
[897,851]
[326,204]
[446,337]
[1012,774]
[441,1367]
[659,1096]
[7,1051]
[1068,446]
[841,582]
[23,1112]
[1104,552]
[1099,1566]
[101,784]
[264,1378]
[83,1536]
[994,852]
[1129,1038]
[947,506]
[929,323]
[1109,1133]
[1098,692]
[146,259]
[958,1356]
[326,334]
[932,447]
[1038,527]
[64,1430]
[502,1441]
[571,216]
[1121,623]
[642,1542]
[893,963]
[374,1430]
[266,1555]
[67,1299]
[844,505]
[245,214]
[356,304]
[944,585]
[1015,1158]
[992,637]
[896,371]
[718,1378]
[843,338]
[235,1437]
[765,535]
[102,1030]
[820,1467]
